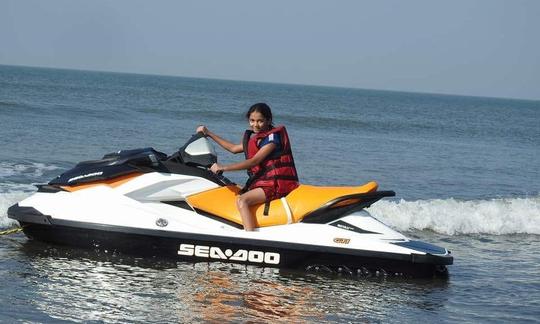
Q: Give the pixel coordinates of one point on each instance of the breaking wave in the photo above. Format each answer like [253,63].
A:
[17,180]
[454,217]
[31,169]
[6,200]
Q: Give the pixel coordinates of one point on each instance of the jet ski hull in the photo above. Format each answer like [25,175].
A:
[145,203]
[193,247]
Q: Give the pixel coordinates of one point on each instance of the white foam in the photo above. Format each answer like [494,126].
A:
[33,169]
[15,185]
[454,217]
[6,200]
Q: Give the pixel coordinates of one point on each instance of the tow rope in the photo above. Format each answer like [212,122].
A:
[11,231]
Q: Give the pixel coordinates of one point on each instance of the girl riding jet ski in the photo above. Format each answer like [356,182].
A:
[269,161]
[146,203]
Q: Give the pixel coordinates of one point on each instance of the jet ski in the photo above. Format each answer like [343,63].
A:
[146,203]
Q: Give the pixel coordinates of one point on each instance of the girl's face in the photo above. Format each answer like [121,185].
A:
[258,123]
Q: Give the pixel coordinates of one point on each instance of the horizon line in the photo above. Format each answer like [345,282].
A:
[274,82]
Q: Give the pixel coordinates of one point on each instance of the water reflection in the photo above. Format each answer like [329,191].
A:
[83,285]
[224,298]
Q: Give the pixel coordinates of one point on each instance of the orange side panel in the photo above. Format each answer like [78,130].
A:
[115,182]
[304,199]
[222,202]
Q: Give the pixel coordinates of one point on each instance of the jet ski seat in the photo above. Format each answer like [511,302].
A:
[293,208]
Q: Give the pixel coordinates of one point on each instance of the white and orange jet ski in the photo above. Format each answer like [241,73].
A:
[143,202]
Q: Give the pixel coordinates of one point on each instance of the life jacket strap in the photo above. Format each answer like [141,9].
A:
[266,207]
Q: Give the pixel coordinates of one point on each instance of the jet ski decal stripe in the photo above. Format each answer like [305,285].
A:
[48,188]
[346,226]
[113,183]
[422,247]
[178,203]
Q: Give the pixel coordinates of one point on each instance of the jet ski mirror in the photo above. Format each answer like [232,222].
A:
[198,151]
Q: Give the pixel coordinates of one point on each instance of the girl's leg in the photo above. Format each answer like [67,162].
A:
[252,197]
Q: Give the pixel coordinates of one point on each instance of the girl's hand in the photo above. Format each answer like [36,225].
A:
[203,129]
[216,168]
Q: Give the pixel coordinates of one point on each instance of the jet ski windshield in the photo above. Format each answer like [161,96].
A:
[198,151]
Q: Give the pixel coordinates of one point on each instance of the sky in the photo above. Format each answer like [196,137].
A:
[481,48]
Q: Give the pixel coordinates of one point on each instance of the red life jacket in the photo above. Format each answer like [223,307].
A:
[277,170]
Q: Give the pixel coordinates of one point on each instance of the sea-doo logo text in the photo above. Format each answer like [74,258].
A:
[86,176]
[241,255]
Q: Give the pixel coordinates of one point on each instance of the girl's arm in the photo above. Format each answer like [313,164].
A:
[246,164]
[231,147]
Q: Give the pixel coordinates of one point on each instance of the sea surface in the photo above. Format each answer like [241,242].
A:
[466,171]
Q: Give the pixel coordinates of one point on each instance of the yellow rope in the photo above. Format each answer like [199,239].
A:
[11,231]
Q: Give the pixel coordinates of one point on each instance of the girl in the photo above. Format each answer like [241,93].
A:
[269,162]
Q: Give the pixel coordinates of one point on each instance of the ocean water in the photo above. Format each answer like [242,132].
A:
[465,169]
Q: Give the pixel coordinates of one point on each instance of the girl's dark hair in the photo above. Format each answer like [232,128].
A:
[262,108]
